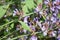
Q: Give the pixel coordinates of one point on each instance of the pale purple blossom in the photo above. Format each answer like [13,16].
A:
[33,38]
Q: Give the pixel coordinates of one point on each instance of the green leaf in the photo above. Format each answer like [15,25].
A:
[25,9]
[39,1]
[58,15]
[1,27]
[12,25]
[3,10]
[8,34]
[27,14]
[25,26]
[30,4]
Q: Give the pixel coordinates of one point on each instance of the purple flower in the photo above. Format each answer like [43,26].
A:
[58,38]
[33,38]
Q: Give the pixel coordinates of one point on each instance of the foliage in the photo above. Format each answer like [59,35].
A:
[4,9]
[27,6]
